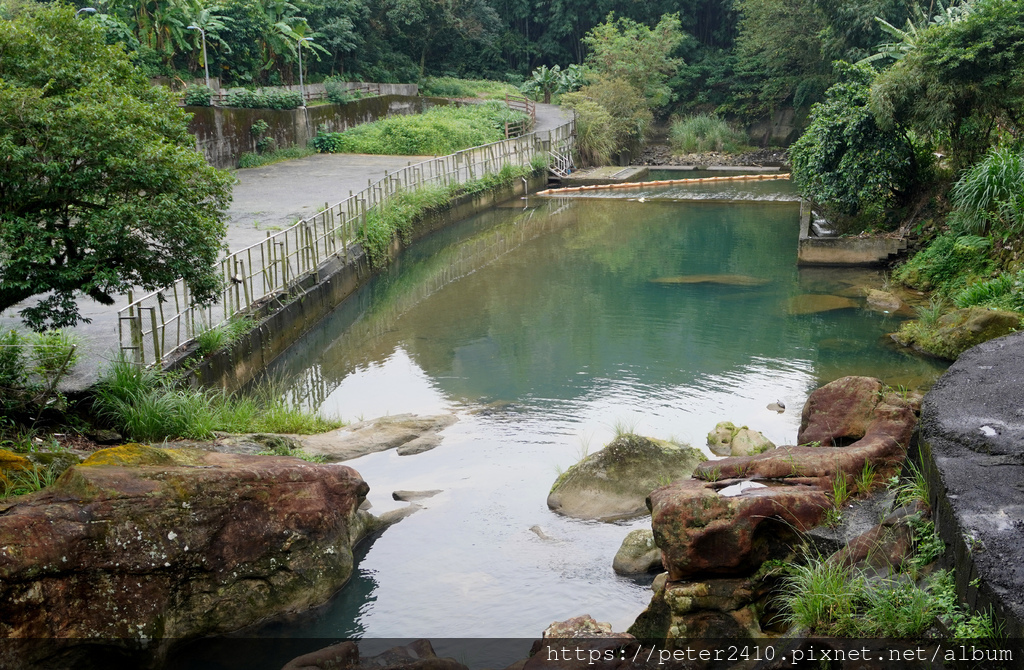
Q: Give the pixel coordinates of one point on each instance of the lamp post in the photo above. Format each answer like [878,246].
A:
[206,63]
[87,10]
[302,85]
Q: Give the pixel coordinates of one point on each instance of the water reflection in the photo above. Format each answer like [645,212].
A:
[542,328]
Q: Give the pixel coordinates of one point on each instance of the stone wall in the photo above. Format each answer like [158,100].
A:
[844,251]
[223,134]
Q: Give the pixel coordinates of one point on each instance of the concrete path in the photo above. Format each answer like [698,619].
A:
[266,199]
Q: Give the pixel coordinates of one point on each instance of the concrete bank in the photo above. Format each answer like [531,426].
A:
[972,444]
[285,320]
[836,250]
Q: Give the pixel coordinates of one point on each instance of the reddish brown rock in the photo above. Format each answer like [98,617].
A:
[580,643]
[887,547]
[201,543]
[840,410]
[703,533]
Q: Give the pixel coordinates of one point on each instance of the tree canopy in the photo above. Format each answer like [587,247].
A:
[101,188]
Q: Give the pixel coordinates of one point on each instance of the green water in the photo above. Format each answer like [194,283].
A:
[539,324]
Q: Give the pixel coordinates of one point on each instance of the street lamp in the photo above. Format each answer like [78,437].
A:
[87,10]
[302,85]
[206,63]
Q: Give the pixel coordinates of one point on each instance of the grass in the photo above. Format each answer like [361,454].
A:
[294,453]
[840,490]
[22,482]
[400,212]
[451,87]
[439,131]
[223,335]
[866,479]
[912,489]
[252,160]
[148,405]
[705,132]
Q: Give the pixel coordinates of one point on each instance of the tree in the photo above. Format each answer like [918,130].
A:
[849,165]
[630,51]
[101,188]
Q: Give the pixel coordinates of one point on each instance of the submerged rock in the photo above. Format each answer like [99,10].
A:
[883,301]
[407,433]
[638,554]
[613,483]
[141,546]
[724,280]
[729,440]
[813,304]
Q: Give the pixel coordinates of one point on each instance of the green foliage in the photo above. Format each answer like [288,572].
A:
[629,117]
[453,87]
[198,96]
[989,197]
[23,482]
[544,80]
[264,99]
[400,212]
[961,81]
[32,366]
[623,49]
[149,405]
[855,170]
[704,132]
[948,264]
[222,335]
[251,160]
[928,546]
[595,139]
[340,94]
[101,187]
[1003,292]
[962,623]
[439,131]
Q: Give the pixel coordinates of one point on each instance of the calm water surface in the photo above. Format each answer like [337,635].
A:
[539,325]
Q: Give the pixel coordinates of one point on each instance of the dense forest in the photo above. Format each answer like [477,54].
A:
[739,57]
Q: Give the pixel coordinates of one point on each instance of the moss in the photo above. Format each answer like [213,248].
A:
[958,331]
[143,454]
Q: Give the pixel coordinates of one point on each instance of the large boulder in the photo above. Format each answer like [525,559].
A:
[613,483]
[958,331]
[140,546]
[727,608]
[728,439]
[720,528]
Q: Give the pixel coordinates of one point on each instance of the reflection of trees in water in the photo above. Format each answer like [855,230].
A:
[372,336]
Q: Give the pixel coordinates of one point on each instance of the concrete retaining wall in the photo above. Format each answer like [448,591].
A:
[223,134]
[284,321]
[843,251]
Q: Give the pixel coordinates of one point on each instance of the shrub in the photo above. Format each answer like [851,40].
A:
[338,93]
[989,197]
[704,132]
[251,160]
[595,140]
[438,131]
[198,96]
[32,366]
[264,99]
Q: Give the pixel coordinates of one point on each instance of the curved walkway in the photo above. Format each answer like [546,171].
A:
[972,441]
[265,199]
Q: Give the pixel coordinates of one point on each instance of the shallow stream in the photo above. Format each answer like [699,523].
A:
[539,324]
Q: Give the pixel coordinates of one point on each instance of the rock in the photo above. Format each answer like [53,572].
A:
[577,627]
[638,554]
[10,464]
[539,532]
[409,496]
[702,533]
[883,301]
[840,409]
[55,462]
[958,331]
[724,280]
[884,549]
[408,433]
[613,483]
[728,440]
[141,544]
[418,655]
[104,436]
[814,304]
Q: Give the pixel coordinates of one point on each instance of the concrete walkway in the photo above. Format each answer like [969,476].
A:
[265,199]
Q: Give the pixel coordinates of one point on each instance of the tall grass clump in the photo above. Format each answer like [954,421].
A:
[251,160]
[704,132]
[451,87]
[595,137]
[148,405]
[438,131]
[989,197]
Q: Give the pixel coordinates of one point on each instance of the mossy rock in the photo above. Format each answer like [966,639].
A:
[958,331]
[142,454]
[11,462]
[613,483]
[55,462]
[728,439]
